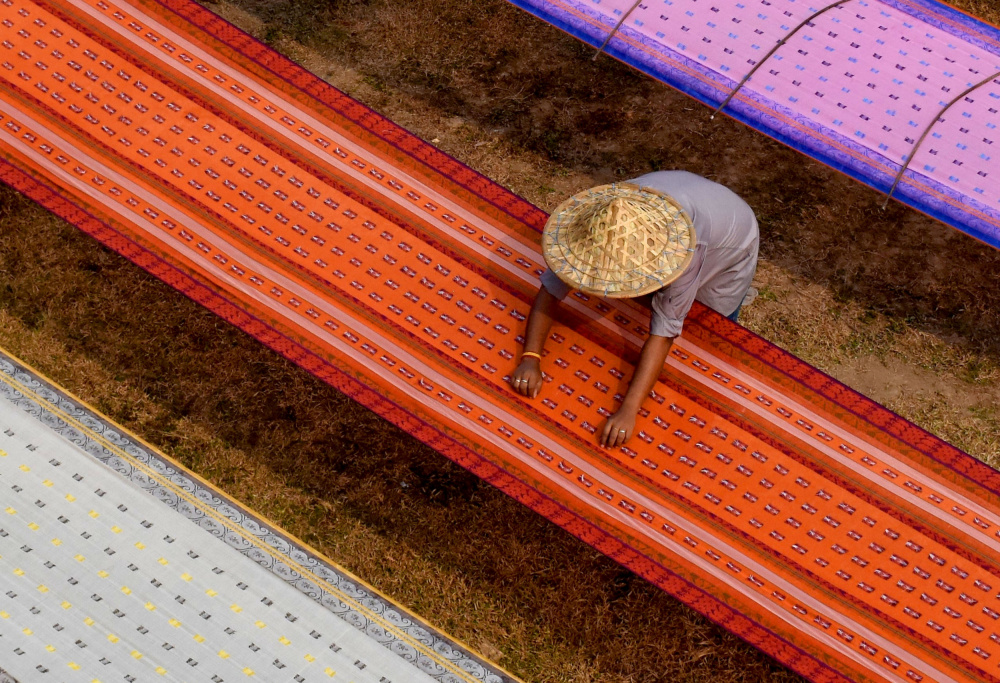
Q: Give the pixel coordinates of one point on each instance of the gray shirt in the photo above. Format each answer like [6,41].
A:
[725,255]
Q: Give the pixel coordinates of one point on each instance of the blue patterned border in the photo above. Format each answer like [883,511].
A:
[857,164]
[935,13]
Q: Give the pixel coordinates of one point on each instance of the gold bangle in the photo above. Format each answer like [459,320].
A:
[532,354]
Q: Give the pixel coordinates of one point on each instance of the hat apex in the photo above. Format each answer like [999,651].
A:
[618,240]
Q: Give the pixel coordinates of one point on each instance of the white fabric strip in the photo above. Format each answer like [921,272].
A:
[111,526]
[487,435]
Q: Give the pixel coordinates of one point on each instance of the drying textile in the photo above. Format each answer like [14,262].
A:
[118,564]
[857,87]
[830,533]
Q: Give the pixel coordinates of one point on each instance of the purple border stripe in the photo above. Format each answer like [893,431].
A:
[795,128]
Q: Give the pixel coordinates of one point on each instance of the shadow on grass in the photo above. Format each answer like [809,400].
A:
[568,613]
[492,63]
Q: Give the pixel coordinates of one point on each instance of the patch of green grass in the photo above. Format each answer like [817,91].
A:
[978,369]
[984,412]
[552,141]
[328,471]
[375,83]
[896,325]
[766,294]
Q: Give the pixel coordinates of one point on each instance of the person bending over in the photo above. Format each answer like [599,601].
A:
[666,238]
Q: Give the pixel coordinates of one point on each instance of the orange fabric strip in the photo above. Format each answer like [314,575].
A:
[835,536]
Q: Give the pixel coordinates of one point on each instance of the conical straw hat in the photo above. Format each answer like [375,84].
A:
[618,240]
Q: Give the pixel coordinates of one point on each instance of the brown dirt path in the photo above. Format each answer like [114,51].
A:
[893,303]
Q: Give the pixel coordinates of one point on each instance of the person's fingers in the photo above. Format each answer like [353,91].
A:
[606,433]
[614,439]
[526,382]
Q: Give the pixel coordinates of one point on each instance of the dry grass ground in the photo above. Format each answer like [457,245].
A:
[903,308]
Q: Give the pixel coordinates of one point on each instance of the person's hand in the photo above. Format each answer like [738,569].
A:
[527,378]
[619,427]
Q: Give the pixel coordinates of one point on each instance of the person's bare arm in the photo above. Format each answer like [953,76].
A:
[527,378]
[619,427]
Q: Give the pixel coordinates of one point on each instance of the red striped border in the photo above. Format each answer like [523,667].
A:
[371,121]
[448,167]
[694,597]
[859,405]
[270,144]
[456,172]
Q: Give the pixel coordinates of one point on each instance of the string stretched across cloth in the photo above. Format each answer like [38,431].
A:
[830,533]
[900,94]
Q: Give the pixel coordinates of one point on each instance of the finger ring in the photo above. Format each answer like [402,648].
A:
[518,381]
[621,430]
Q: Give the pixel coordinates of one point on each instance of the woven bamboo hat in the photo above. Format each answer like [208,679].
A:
[618,240]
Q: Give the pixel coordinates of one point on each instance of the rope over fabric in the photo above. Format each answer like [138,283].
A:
[781,41]
[615,30]
[830,533]
[927,129]
[847,93]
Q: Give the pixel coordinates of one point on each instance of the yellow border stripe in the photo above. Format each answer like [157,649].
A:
[446,664]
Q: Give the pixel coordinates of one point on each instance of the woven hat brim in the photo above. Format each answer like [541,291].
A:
[571,254]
